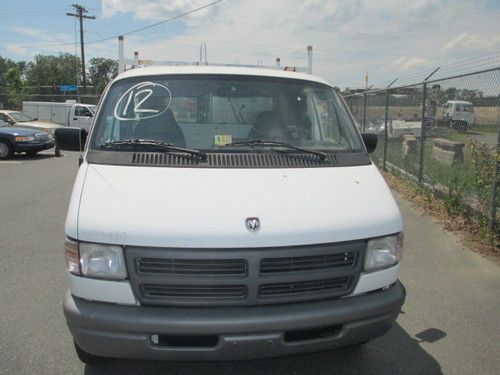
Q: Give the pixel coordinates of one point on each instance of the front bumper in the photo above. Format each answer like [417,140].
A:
[33,146]
[242,332]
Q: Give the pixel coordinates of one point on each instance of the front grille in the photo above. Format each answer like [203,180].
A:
[299,287]
[307,263]
[191,267]
[252,276]
[194,291]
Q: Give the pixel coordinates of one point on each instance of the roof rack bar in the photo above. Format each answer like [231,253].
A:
[123,63]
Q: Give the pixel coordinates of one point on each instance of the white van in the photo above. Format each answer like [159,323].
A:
[225,213]
[459,114]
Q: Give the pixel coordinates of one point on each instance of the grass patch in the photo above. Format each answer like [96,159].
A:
[469,231]
[465,188]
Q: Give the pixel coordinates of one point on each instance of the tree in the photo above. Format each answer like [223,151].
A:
[102,71]
[6,64]
[14,84]
[47,70]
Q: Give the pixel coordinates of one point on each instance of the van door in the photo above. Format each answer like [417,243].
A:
[81,117]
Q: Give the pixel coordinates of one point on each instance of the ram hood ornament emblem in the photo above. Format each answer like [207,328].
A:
[252,224]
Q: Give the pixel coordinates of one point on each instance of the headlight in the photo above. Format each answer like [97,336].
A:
[383,252]
[28,138]
[95,260]
[72,256]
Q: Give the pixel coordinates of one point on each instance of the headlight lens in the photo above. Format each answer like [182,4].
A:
[28,138]
[383,252]
[102,261]
[95,260]
[72,256]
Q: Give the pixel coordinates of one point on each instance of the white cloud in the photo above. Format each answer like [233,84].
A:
[350,38]
[475,43]
[41,40]
[407,63]
[150,9]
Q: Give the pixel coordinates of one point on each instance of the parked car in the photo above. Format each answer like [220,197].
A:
[22,120]
[69,113]
[15,140]
[227,213]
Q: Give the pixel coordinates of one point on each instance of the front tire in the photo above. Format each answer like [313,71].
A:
[460,126]
[89,359]
[6,150]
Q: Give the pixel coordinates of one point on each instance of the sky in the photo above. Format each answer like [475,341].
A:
[383,39]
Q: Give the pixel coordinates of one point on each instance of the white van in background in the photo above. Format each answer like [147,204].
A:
[227,213]
[459,114]
[69,113]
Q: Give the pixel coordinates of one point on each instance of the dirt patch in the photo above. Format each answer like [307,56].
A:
[425,202]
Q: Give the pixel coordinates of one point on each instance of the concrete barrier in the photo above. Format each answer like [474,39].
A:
[447,152]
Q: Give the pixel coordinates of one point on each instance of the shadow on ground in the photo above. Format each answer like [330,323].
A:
[24,156]
[394,353]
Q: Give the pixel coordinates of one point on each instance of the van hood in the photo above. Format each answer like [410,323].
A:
[187,207]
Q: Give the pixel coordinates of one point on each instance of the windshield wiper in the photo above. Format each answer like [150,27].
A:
[160,145]
[264,143]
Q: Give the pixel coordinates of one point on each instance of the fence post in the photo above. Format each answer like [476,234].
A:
[386,136]
[422,135]
[364,111]
[385,128]
[422,131]
[493,216]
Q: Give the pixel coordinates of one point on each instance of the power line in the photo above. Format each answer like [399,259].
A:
[129,32]
[161,22]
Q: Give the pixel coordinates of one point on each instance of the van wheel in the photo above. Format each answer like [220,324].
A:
[6,150]
[460,126]
[88,358]
[57,152]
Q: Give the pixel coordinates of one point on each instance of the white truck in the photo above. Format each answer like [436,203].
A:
[224,213]
[459,114]
[69,113]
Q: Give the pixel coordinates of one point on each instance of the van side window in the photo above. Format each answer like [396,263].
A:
[82,111]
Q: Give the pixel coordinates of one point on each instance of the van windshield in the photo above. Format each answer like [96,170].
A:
[210,113]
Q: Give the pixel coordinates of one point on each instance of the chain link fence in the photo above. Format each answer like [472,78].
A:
[443,134]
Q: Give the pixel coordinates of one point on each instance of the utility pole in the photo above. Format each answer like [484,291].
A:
[80,13]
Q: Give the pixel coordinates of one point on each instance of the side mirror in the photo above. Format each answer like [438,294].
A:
[370,141]
[70,139]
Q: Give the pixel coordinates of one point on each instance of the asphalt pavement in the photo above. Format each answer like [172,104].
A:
[449,323]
